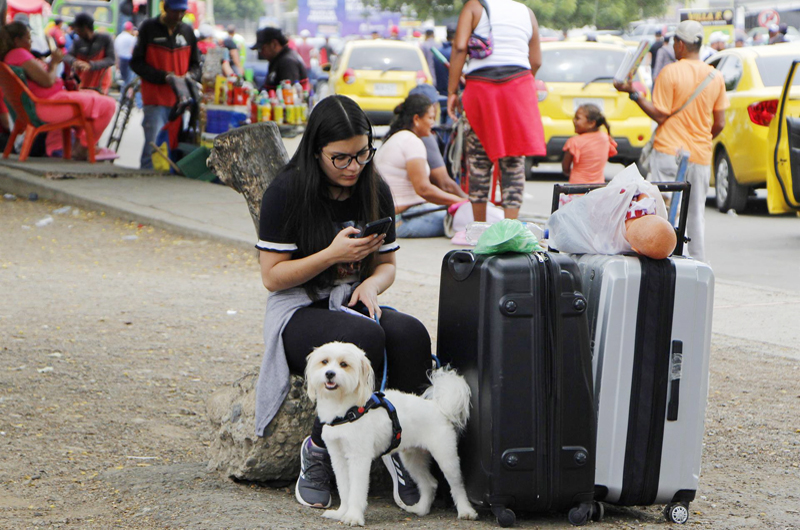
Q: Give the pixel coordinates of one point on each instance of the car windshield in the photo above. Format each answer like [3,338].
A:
[100,13]
[773,70]
[382,58]
[578,66]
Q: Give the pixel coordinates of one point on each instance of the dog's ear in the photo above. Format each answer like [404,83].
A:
[311,391]
[366,380]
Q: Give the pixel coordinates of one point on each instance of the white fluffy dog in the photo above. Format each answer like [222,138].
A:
[339,376]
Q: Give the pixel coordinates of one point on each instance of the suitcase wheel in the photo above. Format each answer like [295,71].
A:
[505,517]
[579,515]
[598,512]
[677,512]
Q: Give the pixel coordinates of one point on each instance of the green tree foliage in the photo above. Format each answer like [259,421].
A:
[614,14]
[239,9]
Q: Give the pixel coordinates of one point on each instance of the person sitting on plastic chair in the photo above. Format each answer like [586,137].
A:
[15,51]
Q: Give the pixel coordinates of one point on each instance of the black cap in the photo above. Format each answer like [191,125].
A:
[83,20]
[57,21]
[659,33]
[267,35]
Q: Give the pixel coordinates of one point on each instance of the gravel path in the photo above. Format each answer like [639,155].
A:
[113,335]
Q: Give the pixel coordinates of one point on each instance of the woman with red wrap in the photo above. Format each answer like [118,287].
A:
[499,100]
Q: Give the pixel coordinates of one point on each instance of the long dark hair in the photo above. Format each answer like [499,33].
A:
[8,34]
[594,114]
[414,105]
[334,118]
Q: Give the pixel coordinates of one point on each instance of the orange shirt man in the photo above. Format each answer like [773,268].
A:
[691,129]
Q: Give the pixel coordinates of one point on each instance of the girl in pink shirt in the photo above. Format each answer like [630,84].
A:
[43,82]
[585,155]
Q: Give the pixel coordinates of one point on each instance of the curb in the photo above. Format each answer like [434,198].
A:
[22,183]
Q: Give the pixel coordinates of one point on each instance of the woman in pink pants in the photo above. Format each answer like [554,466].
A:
[15,50]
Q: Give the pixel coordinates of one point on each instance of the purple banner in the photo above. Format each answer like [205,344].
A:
[343,17]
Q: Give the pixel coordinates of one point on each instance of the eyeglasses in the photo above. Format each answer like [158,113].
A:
[344,161]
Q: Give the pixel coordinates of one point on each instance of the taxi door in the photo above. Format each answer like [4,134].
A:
[783,170]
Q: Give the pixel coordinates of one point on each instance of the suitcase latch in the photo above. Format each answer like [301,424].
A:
[519,459]
[574,456]
[519,305]
[572,304]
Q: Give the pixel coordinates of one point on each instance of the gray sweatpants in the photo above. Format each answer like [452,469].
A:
[664,168]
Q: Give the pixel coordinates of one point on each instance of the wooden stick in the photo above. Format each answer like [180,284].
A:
[172,164]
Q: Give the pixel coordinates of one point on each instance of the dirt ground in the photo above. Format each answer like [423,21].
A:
[111,343]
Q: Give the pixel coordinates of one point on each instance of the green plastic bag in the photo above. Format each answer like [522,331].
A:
[509,235]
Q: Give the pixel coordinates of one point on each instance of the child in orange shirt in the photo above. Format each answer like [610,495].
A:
[585,155]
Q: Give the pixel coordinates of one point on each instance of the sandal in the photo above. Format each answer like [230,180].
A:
[104,153]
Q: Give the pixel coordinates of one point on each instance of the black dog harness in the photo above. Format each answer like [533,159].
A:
[377,400]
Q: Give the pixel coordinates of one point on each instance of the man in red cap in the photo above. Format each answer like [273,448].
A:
[166,48]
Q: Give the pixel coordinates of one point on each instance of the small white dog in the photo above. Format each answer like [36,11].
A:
[339,376]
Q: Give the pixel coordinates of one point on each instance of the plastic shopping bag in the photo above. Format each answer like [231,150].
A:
[508,235]
[595,223]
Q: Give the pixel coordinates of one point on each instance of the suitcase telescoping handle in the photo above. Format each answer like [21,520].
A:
[668,187]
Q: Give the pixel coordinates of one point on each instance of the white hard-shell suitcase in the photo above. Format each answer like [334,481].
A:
[650,323]
[650,326]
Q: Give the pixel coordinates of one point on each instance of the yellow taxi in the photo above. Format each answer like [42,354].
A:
[743,151]
[576,73]
[378,74]
[783,167]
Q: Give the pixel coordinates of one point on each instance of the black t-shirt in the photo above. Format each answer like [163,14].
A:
[230,44]
[276,235]
[287,65]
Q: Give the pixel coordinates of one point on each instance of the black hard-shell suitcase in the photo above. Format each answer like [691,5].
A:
[515,326]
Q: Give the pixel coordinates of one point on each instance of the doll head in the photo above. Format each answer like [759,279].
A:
[651,236]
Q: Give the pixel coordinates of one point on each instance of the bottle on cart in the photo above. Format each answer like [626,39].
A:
[223,94]
[278,108]
[264,107]
[255,110]
[288,95]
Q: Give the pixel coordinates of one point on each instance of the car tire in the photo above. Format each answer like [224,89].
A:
[730,194]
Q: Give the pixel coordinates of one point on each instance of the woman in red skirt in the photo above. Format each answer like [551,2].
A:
[497,49]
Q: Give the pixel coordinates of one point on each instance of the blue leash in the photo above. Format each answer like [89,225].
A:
[386,358]
[385,361]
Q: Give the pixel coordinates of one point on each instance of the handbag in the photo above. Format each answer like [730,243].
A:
[481,47]
[644,157]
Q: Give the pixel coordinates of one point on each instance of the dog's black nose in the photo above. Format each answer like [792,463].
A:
[330,374]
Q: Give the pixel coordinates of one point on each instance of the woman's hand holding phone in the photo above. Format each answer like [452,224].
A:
[346,249]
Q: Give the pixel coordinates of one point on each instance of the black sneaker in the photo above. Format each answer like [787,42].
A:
[406,492]
[316,476]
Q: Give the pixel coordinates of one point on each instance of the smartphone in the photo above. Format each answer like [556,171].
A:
[381,226]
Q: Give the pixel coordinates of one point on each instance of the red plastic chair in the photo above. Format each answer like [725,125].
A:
[23,104]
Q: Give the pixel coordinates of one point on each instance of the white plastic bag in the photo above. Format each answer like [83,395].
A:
[463,216]
[595,223]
